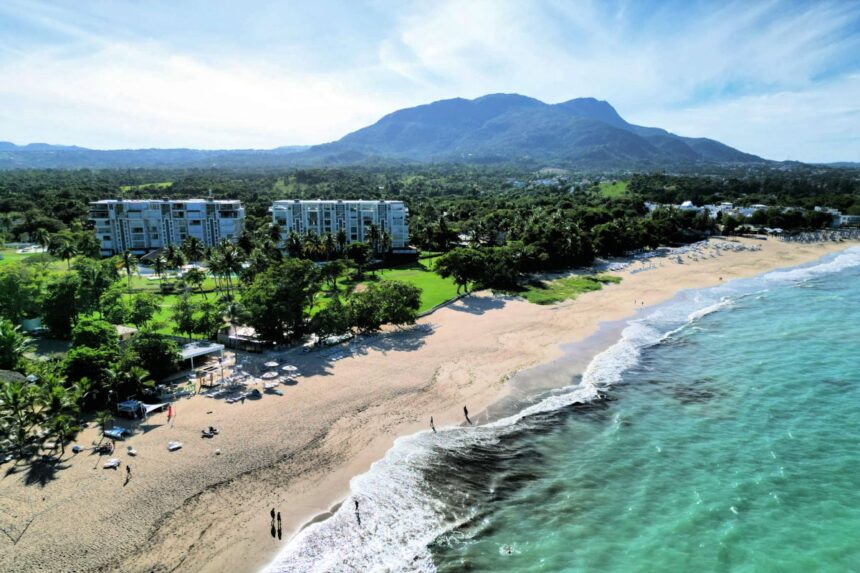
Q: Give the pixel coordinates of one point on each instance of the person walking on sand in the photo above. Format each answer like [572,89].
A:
[432,427]
[127,472]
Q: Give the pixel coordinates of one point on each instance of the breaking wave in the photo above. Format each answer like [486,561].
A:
[429,485]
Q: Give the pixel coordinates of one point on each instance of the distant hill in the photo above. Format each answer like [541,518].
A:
[499,128]
[844,164]
[583,132]
[44,156]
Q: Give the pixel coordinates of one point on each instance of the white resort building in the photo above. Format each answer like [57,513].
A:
[141,226]
[353,216]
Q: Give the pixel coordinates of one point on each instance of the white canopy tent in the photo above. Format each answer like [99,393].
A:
[197,349]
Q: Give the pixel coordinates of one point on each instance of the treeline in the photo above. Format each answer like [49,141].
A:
[54,200]
[836,188]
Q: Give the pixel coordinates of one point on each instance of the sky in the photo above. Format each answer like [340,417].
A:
[778,79]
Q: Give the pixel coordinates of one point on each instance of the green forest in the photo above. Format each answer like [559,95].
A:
[474,228]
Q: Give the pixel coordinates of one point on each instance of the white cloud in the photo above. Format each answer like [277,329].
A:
[140,96]
[820,124]
[736,72]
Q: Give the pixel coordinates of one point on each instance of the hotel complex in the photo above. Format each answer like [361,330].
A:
[141,226]
[354,217]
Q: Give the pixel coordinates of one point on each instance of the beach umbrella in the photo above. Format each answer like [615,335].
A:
[289,368]
[271,364]
[269,375]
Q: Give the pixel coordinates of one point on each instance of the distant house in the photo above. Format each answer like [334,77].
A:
[125,333]
[849,220]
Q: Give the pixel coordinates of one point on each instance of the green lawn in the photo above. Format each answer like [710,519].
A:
[144,186]
[141,284]
[549,292]
[434,289]
[613,189]
[9,256]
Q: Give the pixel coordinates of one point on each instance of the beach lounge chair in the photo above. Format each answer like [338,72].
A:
[173,446]
[132,451]
[116,433]
[112,464]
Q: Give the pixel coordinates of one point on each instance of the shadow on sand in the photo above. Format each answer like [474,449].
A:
[406,339]
[38,469]
[479,304]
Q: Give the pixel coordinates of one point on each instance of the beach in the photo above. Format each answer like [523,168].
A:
[193,510]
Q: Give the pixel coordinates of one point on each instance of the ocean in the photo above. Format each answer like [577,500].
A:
[721,432]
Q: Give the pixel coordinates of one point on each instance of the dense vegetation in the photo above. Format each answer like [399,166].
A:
[485,227]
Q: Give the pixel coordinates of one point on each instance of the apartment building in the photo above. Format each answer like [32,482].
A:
[141,226]
[354,217]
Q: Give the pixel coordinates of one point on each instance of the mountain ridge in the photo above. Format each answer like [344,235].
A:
[495,128]
[584,131]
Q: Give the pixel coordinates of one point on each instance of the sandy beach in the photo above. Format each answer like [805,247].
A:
[193,510]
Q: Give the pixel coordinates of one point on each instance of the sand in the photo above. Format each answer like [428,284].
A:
[193,510]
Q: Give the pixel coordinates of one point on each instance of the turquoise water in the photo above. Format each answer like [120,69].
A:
[729,440]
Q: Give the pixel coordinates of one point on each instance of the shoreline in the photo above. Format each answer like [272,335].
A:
[298,452]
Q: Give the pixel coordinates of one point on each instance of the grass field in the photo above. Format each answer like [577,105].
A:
[434,289]
[549,292]
[613,188]
[146,186]
[9,256]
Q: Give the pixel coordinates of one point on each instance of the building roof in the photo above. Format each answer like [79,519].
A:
[336,201]
[139,201]
[195,349]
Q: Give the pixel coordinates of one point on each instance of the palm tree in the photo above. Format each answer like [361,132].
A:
[130,264]
[329,245]
[231,259]
[313,245]
[18,399]
[13,345]
[66,250]
[295,245]
[385,242]
[193,249]
[136,378]
[232,311]
[341,241]
[215,264]
[42,237]
[158,266]
[195,277]
[275,233]
[174,257]
[374,238]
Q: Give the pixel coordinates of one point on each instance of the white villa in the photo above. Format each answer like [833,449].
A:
[141,226]
[354,217]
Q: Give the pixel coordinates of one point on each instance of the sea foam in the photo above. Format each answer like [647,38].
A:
[401,513]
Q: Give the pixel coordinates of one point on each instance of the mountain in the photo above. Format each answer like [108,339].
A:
[45,156]
[583,132]
[498,128]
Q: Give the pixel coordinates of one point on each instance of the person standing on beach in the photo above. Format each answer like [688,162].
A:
[466,412]
[432,427]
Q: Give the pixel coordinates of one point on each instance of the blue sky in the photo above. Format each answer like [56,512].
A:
[779,79]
